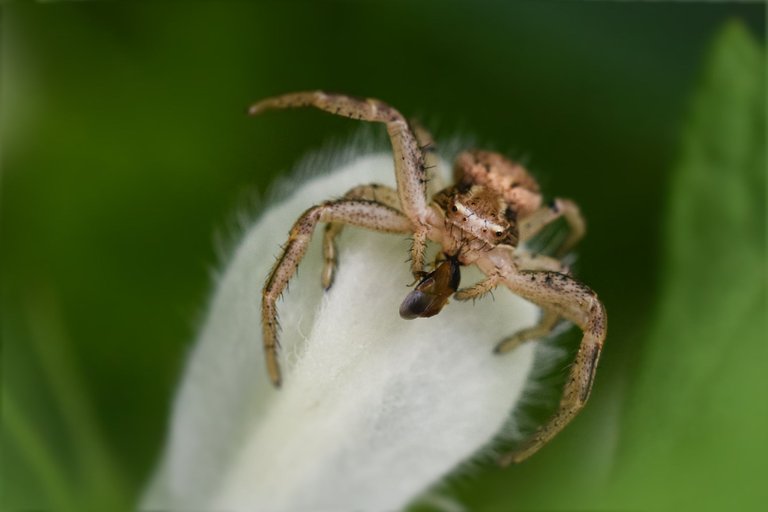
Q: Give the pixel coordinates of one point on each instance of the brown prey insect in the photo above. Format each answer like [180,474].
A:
[493,207]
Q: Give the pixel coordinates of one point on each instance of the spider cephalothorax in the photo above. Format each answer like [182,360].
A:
[483,219]
[477,217]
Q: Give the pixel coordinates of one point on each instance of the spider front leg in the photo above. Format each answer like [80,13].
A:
[410,168]
[431,158]
[362,213]
[562,295]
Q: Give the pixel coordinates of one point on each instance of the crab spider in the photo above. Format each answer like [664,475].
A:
[482,219]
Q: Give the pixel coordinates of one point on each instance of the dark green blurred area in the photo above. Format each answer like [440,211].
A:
[126,148]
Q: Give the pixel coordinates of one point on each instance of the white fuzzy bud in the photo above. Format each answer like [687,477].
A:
[373,410]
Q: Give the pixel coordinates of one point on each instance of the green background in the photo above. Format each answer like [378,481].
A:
[127,156]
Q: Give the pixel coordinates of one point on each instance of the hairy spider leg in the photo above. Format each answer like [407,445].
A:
[380,193]
[410,168]
[562,295]
[431,158]
[358,212]
[479,289]
[373,192]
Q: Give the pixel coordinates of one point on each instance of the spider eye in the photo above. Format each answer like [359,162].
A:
[454,209]
[499,233]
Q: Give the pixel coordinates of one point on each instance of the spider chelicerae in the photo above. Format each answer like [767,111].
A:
[482,219]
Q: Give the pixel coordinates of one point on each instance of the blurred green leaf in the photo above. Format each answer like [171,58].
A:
[694,431]
[88,480]
[17,431]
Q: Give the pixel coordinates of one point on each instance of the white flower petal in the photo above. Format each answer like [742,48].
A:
[373,410]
